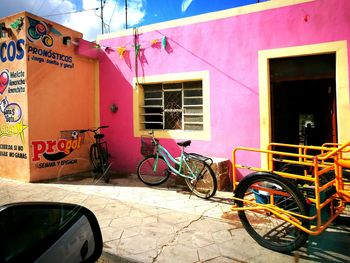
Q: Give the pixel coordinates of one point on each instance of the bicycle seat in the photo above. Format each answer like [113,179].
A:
[184,144]
[99,136]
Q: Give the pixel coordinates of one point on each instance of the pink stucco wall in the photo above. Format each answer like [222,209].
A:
[228,49]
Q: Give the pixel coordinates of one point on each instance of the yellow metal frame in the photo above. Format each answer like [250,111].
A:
[329,158]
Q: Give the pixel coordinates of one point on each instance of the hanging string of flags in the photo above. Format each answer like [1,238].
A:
[154,43]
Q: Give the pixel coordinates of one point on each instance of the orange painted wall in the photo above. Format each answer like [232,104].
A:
[60,96]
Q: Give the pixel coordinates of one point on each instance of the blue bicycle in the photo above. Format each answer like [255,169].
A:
[156,167]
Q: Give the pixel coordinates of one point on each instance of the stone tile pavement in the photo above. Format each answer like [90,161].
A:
[167,224]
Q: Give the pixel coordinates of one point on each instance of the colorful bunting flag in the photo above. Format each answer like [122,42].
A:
[164,42]
[137,49]
[121,51]
[154,42]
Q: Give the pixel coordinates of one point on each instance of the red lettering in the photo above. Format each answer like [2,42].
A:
[39,147]
[61,145]
[50,145]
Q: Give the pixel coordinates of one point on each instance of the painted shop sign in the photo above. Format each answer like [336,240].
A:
[10,130]
[40,31]
[14,50]
[12,82]
[47,56]
[12,151]
[54,151]
[57,163]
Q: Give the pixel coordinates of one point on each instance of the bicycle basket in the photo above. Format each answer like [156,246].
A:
[147,146]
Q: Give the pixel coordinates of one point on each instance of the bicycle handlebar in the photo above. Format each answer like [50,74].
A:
[95,130]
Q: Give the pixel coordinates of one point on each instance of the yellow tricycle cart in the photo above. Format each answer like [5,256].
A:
[301,192]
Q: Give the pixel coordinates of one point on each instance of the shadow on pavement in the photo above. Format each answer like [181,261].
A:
[116,179]
[330,246]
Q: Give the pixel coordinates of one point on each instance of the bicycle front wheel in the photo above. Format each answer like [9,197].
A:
[153,171]
[265,190]
[205,184]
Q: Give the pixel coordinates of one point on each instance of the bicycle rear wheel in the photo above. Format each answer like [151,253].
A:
[99,159]
[267,229]
[95,158]
[205,184]
[153,171]
[105,164]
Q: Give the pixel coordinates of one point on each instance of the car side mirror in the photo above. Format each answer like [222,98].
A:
[49,232]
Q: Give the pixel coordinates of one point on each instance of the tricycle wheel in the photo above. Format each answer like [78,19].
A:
[266,190]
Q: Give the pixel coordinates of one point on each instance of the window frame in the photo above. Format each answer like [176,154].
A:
[138,103]
[340,48]
[189,98]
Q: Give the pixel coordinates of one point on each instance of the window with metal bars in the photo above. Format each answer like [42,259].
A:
[173,106]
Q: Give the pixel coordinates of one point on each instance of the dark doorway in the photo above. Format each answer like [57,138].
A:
[303,100]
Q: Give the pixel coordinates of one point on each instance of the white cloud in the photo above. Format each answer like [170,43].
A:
[88,22]
[37,7]
[185,4]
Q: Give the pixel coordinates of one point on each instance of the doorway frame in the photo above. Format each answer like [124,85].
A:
[339,48]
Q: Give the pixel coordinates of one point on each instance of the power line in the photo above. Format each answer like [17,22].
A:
[56,7]
[110,20]
[42,3]
[32,6]
[108,26]
[103,3]
[73,12]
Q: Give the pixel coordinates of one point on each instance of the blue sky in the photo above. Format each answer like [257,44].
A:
[140,12]
[159,11]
